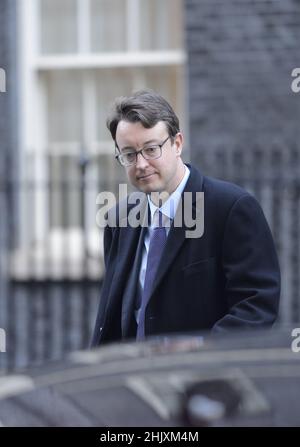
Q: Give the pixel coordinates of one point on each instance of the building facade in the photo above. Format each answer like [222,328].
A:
[224,66]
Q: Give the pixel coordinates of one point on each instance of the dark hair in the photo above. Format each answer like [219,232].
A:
[146,107]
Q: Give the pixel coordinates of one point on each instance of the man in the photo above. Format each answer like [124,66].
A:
[160,279]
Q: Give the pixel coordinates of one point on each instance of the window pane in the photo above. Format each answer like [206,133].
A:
[58,26]
[161,24]
[108,31]
[110,84]
[66,198]
[64,106]
[109,172]
[70,204]
[168,82]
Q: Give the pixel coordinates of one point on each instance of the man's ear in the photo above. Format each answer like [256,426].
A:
[178,142]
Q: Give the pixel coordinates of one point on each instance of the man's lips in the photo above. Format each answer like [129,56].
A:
[146,176]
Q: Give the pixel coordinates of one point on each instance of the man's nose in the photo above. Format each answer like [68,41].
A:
[140,161]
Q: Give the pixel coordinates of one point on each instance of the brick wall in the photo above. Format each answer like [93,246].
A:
[8,119]
[245,118]
[240,57]
[8,152]
[8,106]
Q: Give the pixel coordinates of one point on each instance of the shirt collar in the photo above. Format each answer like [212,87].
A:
[169,207]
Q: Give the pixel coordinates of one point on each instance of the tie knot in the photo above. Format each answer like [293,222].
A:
[158,219]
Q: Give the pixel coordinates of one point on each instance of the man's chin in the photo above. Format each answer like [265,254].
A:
[156,192]
[148,186]
[147,189]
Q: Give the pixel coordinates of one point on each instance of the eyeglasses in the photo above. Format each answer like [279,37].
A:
[148,152]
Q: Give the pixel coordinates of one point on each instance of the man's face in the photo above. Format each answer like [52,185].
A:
[161,174]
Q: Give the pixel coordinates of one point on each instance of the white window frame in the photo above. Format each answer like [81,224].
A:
[32,93]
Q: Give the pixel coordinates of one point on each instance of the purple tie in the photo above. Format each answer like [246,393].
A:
[157,244]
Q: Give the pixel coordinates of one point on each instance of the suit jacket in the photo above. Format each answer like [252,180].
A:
[227,278]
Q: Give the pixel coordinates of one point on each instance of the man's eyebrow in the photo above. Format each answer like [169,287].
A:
[127,147]
[154,140]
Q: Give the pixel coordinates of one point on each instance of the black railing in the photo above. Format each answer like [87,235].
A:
[49,296]
[271,172]
[50,272]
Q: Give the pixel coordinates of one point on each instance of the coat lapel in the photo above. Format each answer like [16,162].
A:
[129,241]
[130,292]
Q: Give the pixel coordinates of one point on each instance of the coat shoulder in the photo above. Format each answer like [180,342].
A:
[223,192]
